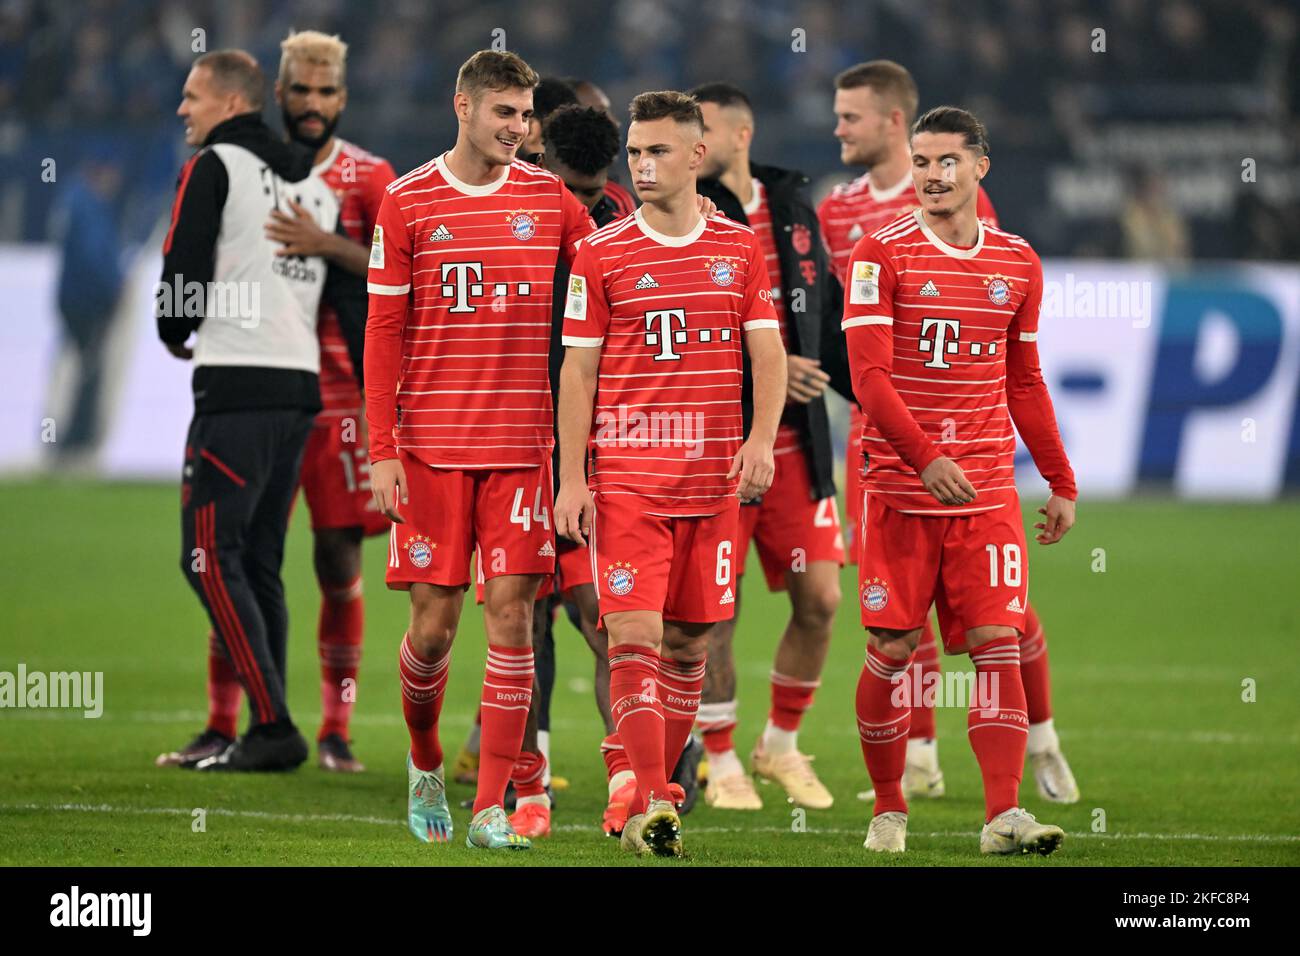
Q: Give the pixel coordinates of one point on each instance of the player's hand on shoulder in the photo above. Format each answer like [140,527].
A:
[708,208]
[755,466]
[387,481]
[1058,519]
[573,510]
[944,479]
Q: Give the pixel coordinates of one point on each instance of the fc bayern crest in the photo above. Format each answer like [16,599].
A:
[522,225]
[875,595]
[999,290]
[419,551]
[722,272]
[801,239]
[620,578]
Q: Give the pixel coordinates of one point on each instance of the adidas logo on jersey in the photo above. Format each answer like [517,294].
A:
[930,288]
[647,281]
[1015,605]
[546,551]
[441,234]
[727,597]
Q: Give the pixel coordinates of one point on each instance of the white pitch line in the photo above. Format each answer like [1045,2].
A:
[1200,737]
[584,828]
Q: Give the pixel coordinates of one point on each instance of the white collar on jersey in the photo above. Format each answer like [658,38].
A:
[663,240]
[487,189]
[893,192]
[943,247]
[324,165]
[755,199]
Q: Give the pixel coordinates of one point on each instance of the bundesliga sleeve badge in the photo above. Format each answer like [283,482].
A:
[575,302]
[377,249]
[864,286]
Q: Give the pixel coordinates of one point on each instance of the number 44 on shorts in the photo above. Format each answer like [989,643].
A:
[526,516]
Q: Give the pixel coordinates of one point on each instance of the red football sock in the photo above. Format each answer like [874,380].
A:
[507,693]
[224,690]
[680,683]
[615,757]
[925,660]
[1034,672]
[423,682]
[884,716]
[717,723]
[342,618]
[790,699]
[997,712]
[639,717]
[528,774]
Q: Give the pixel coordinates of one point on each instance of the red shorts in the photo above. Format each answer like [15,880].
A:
[680,567]
[572,569]
[971,567]
[335,478]
[504,512]
[790,529]
[853,481]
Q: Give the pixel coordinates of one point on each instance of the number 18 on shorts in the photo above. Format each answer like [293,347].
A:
[971,567]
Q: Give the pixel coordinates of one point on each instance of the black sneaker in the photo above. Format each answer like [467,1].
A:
[334,754]
[276,746]
[207,744]
[685,773]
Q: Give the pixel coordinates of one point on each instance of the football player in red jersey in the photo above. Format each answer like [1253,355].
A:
[941,321]
[875,105]
[312,92]
[458,401]
[656,309]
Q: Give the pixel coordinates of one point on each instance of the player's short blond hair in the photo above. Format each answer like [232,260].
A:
[494,70]
[890,81]
[315,48]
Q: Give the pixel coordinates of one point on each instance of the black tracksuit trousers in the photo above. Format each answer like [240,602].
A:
[240,477]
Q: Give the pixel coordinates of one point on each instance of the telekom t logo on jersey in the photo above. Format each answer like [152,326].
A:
[660,333]
[456,281]
[944,340]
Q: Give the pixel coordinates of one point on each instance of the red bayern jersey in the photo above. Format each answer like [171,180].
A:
[759,214]
[856,209]
[460,315]
[668,313]
[943,356]
[358,179]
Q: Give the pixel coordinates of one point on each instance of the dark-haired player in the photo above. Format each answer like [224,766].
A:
[875,106]
[941,319]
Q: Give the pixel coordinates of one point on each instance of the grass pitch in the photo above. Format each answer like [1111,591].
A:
[1149,659]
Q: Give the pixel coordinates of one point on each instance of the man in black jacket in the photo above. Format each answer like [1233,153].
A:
[796,525]
[256,359]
